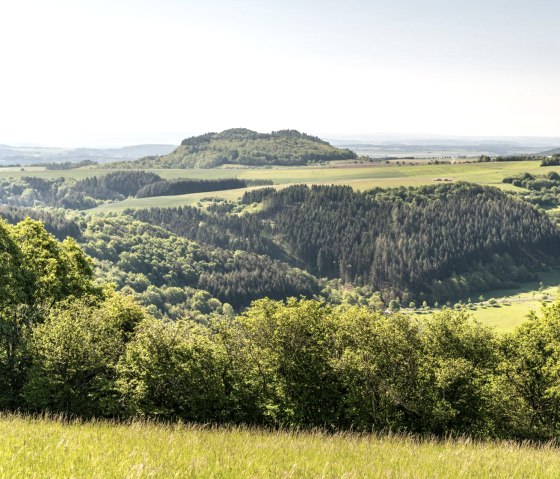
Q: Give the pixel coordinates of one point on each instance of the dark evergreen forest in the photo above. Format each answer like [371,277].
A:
[438,242]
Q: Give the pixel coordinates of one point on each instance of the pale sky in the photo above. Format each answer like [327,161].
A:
[115,72]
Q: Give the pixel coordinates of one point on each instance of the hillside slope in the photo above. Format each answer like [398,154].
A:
[435,242]
[246,147]
[554,151]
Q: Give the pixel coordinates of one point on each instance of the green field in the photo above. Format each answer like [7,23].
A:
[360,178]
[513,305]
[420,173]
[39,448]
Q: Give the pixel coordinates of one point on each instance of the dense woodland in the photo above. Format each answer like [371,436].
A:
[240,146]
[182,313]
[167,271]
[70,346]
[188,186]
[418,239]
[431,243]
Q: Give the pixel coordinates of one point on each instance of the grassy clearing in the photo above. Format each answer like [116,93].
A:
[360,178]
[513,305]
[170,201]
[52,449]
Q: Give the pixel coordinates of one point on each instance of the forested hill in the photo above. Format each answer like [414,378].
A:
[413,238]
[241,146]
[435,243]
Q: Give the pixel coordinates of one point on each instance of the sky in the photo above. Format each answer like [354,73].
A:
[116,72]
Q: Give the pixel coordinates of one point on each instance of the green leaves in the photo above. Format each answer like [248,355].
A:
[173,370]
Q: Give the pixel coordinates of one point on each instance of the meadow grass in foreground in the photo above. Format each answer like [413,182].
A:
[44,448]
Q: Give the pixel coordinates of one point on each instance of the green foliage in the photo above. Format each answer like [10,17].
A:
[554,160]
[189,186]
[54,270]
[445,241]
[173,370]
[532,369]
[54,222]
[65,192]
[543,190]
[394,305]
[379,360]
[297,363]
[169,272]
[290,349]
[75,352]
[461,358]
[245,147]
[36,272]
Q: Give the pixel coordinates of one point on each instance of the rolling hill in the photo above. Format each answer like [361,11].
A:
[240,146]
[554,151]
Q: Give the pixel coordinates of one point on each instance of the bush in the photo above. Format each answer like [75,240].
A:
[173,370]
[75,354]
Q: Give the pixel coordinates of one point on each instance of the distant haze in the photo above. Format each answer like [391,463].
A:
[121,72]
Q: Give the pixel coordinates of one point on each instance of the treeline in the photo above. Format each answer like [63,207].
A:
[67,165]
[117,185]
[29,191]
[544,190]
[245,147]
[297,364]
[188,186]
[56,224]
[408,242]
[554,160]
[487,159]
[534,182]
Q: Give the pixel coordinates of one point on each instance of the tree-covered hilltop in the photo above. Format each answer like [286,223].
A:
[240,146]
[444,241]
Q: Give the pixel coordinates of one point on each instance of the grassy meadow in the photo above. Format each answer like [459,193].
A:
[512,306]
[358,176]
[46,448]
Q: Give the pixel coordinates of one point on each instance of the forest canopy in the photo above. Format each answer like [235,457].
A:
[240,146]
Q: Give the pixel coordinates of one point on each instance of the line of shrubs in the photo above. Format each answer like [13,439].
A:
[298,363]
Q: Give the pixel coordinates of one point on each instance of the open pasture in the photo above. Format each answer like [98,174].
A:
[42,448]
[360,178]
[511,306]
[378,174]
